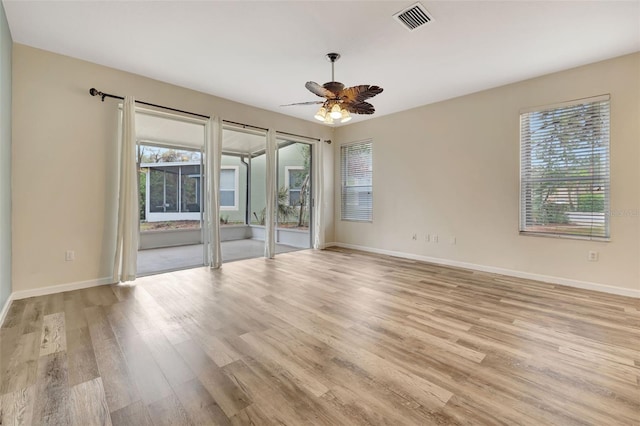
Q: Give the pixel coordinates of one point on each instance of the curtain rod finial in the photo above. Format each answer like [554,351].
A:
[94,92]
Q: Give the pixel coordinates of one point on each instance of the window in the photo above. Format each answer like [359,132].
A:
[190,188]
[228,188]
[295,179]
[564,169]
[357,181]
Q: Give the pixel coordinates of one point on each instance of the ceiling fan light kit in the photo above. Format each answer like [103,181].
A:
[340,103]
[321,114]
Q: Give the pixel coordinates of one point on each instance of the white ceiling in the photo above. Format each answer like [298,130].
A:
[261,53]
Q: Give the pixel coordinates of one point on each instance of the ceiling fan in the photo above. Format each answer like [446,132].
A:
[340,101]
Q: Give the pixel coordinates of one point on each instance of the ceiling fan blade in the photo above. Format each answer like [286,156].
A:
[305,103]
[359,93]
[359,108]
[316,89]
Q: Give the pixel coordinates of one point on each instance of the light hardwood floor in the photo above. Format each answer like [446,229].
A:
[322,337]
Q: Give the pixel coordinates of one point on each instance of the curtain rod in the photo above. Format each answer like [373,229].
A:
[95,92]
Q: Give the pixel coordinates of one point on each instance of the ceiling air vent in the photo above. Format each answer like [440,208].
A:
[413,17]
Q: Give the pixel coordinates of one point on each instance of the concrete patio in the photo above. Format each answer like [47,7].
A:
[153,261]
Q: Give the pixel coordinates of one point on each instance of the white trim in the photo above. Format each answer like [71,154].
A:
[43,291]
[604,288]
[5,309]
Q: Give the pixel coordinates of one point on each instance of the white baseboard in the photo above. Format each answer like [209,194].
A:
[43,291]
[495,270]
[5,309]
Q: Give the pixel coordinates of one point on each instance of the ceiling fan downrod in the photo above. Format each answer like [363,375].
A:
[333,57]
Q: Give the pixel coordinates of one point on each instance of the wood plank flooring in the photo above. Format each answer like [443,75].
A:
[332,337]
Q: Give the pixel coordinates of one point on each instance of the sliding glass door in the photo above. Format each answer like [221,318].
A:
[243,194]
[171,188]
[294,207]
[242,189]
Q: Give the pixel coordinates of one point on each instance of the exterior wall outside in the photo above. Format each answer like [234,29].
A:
[452,169]
[64,154]
[258,187]
[180,237]
[287,156]
[169,238]
[236,215]
[290,237]
[167,217]
[5,159]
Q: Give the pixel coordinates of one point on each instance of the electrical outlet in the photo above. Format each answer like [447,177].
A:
[69,255]
[452,240]
[415,237]
[434,238]
[593,256]
[427,238]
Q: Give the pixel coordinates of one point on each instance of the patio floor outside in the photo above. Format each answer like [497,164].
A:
[152,261]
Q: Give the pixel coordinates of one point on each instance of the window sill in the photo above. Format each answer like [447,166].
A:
[564,236]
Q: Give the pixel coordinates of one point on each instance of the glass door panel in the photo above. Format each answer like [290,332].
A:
[294,195]
[242,194]
[170,197]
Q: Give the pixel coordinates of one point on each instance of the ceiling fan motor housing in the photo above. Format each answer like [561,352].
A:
[334,86]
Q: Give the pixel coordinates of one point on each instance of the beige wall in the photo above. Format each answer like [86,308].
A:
[63,161]
[5,160]
[452,169]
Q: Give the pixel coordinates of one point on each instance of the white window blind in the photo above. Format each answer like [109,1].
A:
[564,169]
[357,181]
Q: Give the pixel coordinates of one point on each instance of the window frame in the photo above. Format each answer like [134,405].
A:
[344,187]
[527,180]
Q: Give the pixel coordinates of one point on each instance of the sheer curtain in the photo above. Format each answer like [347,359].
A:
[213,155]
[269,222]
[125,262]
[318,185]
